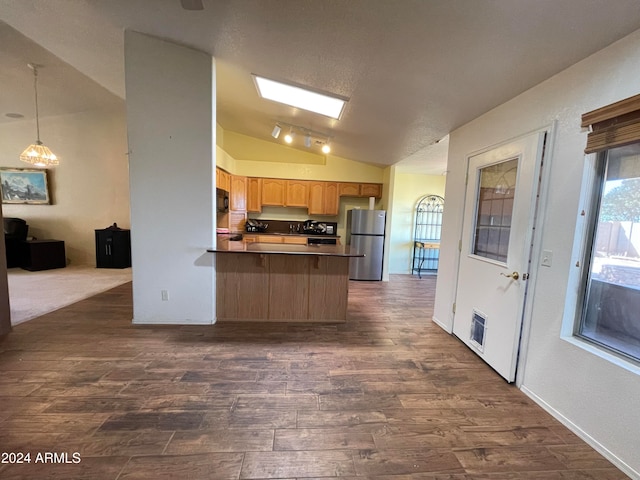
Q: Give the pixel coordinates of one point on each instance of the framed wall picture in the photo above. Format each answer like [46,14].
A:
[24,185]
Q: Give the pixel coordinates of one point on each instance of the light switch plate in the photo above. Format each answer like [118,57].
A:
[547,258]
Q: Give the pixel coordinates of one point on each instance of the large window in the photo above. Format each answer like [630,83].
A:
[610,306]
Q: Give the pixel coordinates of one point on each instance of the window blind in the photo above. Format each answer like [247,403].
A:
[614,125]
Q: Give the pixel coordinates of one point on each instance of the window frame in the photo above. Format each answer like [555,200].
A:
[608,127]
[590,232]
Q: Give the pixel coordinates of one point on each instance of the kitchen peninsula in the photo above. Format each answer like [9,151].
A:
[281,282]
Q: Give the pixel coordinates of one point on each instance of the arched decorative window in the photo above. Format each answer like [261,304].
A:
[426,238]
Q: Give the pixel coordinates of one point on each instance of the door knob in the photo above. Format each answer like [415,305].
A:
[514,275]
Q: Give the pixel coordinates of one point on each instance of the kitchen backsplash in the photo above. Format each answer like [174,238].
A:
[291,226]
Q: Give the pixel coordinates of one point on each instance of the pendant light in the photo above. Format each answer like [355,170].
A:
[38,154]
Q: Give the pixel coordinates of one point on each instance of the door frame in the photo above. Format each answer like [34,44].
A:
[539,214]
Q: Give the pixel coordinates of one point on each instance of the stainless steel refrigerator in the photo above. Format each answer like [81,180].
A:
[365,231]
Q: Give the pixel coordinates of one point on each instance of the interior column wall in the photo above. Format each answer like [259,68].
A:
[171,127]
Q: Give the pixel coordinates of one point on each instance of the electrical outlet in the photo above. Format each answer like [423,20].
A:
[547,258]
[165,295]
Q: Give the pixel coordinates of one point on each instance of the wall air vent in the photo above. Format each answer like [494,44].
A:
[478,329]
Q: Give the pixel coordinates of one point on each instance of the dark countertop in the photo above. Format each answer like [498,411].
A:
[285,249]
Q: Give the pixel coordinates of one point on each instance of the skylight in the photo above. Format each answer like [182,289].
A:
[299,97]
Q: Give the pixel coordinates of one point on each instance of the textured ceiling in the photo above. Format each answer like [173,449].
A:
[413,70]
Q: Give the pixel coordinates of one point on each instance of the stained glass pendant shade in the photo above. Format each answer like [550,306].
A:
[37,153]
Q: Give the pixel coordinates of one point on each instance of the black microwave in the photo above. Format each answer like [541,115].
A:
[222,200]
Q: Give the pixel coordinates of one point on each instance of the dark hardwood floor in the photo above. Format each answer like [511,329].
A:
[386,396]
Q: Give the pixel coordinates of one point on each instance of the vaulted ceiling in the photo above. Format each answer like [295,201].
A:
[413,70]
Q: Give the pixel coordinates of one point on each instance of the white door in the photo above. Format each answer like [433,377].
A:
[495,249]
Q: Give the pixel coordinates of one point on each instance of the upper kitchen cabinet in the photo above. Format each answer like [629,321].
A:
[273,192]
[352,189]
[238,194]
[316,198]
[371,190]
[223,180]
[250,194]
[297,193]
[254,194]
[349,189]
[331,199]
[323,198]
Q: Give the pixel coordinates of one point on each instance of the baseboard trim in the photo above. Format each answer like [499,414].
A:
[441,325]
[167,321]
[601,449]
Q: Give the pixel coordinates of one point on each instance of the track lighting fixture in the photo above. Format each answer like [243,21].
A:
[289,136]
[311,137]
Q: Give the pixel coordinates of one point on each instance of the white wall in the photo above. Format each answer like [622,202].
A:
[171,126]
[591,394]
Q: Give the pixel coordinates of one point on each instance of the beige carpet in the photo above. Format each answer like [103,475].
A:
[32,294]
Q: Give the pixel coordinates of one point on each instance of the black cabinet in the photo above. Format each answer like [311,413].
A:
[113,247]
[43,255]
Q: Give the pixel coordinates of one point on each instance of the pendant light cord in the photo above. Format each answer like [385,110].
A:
[35,88]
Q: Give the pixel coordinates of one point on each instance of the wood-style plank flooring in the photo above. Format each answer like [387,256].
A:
[386,396]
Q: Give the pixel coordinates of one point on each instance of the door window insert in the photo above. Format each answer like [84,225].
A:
[494,207]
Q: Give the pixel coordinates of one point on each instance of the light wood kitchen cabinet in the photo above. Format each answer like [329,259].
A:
[317,191]
[238,194]
[273,192]
[291,240]
[223,180]
[353,189]
[297,193]
[349,189]
[319,197]
[254,194]
[371,190]
[237,221]
[323,198]
[295,240]
[331,199]
[270,239]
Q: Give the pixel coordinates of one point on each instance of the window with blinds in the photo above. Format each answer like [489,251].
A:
[612,126]
[611,277]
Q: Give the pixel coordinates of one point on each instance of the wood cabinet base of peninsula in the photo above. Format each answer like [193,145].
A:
[281,288]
